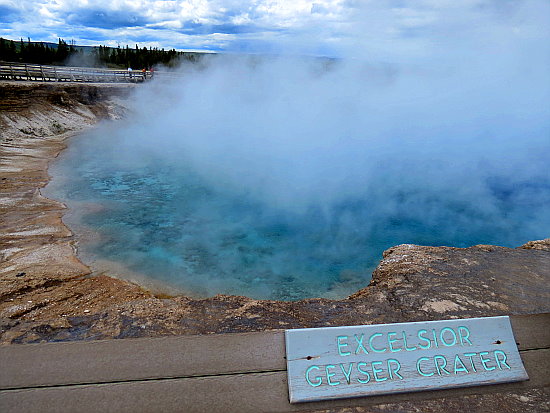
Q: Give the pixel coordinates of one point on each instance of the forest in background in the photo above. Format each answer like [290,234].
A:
[66,54]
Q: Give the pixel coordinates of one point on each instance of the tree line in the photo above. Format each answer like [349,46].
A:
[100,56]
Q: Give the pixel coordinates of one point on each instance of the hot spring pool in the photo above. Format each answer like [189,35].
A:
[163,223]
[159,222]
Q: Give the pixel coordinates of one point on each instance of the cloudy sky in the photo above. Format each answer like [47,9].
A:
[320,27]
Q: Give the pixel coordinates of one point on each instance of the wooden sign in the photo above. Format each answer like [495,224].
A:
[354,361]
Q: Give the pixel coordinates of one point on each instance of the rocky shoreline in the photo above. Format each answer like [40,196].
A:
[47,294]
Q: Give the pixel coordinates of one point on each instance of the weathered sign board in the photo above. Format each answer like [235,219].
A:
[355,361]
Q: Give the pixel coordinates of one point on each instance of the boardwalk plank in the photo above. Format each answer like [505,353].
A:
[531,331]
[255,392]
[53,364]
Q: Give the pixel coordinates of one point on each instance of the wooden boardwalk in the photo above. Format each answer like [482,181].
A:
[226,372]
[34,72]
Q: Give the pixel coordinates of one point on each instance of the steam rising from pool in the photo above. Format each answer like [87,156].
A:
[286,177]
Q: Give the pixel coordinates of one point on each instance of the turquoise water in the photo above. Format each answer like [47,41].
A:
[160,219]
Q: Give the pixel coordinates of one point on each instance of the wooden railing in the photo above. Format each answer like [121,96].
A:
[27,71]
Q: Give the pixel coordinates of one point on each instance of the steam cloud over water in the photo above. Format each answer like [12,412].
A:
[286,177]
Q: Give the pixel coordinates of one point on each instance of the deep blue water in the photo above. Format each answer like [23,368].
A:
[158,218]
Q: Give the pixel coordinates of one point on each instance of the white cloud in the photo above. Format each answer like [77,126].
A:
[380,28]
